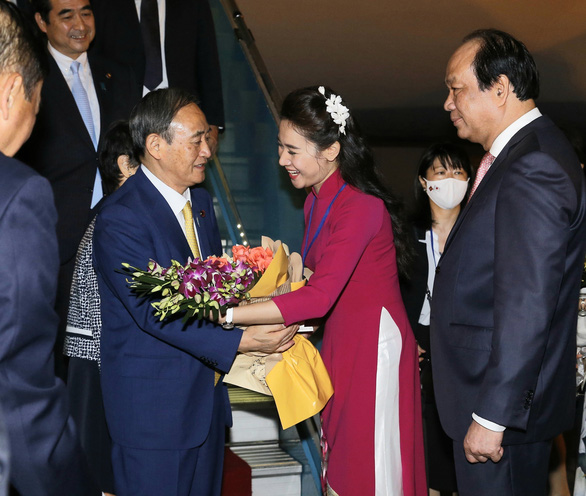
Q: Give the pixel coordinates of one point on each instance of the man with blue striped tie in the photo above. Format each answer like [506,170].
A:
[81,97]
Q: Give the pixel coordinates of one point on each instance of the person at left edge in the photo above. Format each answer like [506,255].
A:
[63,144]
[46,457]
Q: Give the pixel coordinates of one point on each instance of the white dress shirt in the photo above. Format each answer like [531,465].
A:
[502,139]
[162,6]
[433,256]
[497,146]
[175,200]
[85,74]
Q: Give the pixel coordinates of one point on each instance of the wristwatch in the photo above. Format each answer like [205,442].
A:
[228,325]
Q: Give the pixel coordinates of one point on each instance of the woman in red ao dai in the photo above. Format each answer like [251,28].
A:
[355,234]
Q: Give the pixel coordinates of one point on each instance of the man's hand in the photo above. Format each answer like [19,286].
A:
[267,338]
[482,444]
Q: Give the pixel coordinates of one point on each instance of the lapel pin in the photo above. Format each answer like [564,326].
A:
[108,75]
[202,213]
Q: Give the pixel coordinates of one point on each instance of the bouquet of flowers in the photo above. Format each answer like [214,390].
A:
[297,378]
[282,275]
[201,287]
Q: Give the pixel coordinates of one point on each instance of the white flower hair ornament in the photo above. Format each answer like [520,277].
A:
[335,108]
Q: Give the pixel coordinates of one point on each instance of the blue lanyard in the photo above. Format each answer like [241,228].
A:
[432,248]
[321,224]
[427,291]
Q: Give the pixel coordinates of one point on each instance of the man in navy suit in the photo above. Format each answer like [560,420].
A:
[63,144]
[46,457]
[504,310]
[165,413]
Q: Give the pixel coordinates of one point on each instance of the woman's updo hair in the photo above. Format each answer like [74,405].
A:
[306,110]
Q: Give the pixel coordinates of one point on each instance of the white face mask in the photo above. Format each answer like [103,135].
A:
[447,193]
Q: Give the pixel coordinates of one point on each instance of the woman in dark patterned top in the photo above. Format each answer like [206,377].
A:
[84,323]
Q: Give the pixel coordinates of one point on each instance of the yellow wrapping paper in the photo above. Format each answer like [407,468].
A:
[300,383]
[296,285]
[275,275]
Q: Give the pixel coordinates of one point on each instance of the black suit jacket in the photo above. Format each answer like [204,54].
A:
[413,290]
[504,310]
[46,457]
[190,47]
[60,148]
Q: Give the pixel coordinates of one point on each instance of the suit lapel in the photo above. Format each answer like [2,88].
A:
[130,14]
[57,91]
[162,219]
[103,81]
[485,183]
[165,223]
[482,185]
[175,23]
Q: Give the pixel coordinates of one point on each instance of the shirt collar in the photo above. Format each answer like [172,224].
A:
[175,200]
[64,62]
[502,139]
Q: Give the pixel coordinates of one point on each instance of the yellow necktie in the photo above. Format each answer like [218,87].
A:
[192,240]
[190,231]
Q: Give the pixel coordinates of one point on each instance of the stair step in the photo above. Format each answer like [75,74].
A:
[267,460]
[240,397]
[273,470]
[254,438]
[250,426]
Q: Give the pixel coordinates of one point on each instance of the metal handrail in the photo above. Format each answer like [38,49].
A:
[248,44]
[308,430]
[239,236]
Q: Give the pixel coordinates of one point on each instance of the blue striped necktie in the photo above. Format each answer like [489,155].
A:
[83,105]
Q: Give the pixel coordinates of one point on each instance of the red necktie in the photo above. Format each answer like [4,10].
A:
[485,164]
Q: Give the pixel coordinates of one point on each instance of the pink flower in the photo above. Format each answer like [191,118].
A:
[260,258]
[240,253]
[221,262]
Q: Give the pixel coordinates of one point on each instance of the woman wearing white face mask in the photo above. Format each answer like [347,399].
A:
[441,191]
